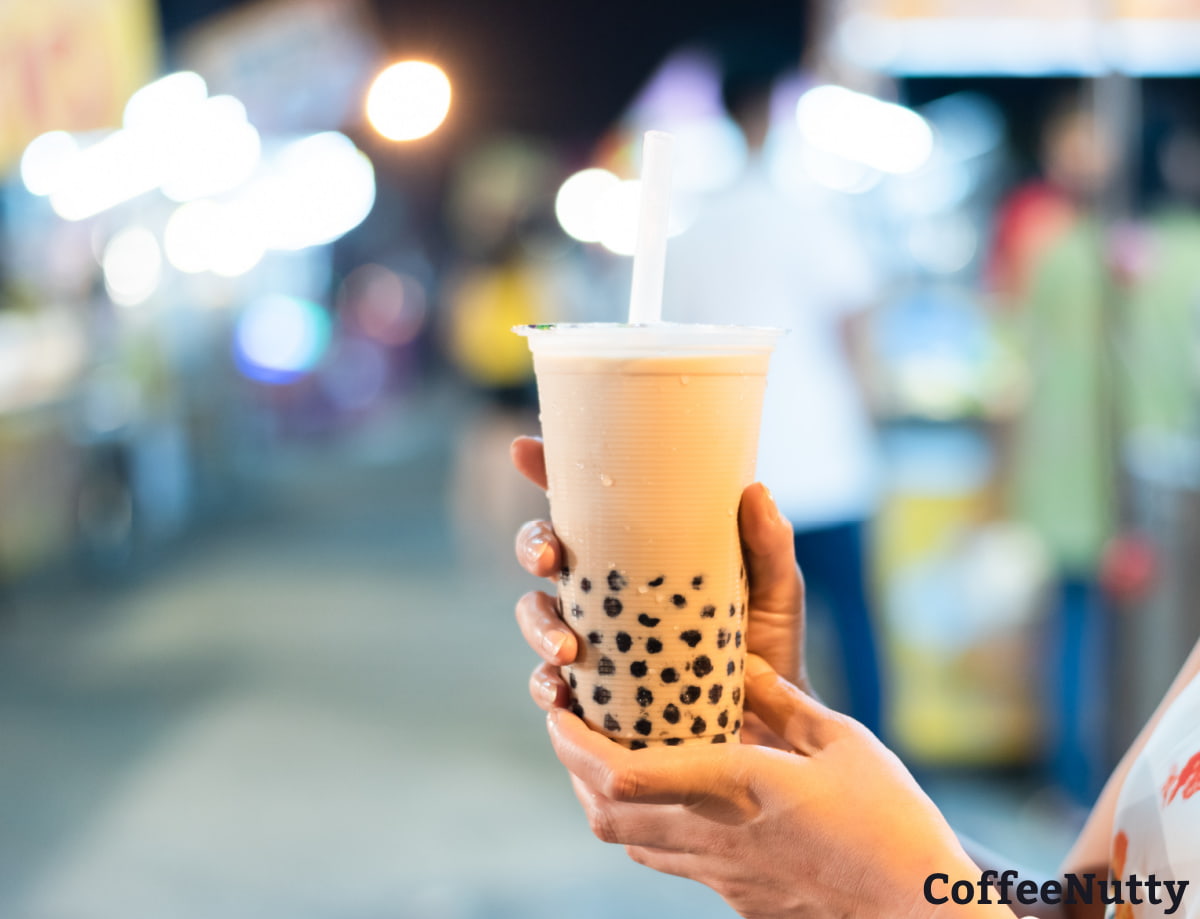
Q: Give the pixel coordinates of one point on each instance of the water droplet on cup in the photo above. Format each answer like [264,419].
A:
[606,481]
[685,380]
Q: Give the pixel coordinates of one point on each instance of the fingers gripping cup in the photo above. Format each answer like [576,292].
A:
[651,434]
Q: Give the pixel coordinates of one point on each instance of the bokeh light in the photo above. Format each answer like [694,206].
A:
[582,202]
[885,136]
[388,307]
[47,161]
[215,151]
[280,338]
[132,266]
[618,234]
[408,100]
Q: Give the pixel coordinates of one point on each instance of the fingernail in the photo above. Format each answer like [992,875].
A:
[549,691]
[553,641]
[535,549]
[773,514]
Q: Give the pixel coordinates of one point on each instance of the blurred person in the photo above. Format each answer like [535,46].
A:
[1059,471]
[811,815]
[757,255]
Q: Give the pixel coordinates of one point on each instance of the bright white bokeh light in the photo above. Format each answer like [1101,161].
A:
[216,150]
[168,100]
[106,174]
[582,202]
[47,162]
[188,238]
[239,245]
[836,172]
[408,100]
[132,266]
[943,245]
[709,154]
[885,136]
[278,338]
[618,233]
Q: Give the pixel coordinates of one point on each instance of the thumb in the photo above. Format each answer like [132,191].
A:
[791,713]
[775,629]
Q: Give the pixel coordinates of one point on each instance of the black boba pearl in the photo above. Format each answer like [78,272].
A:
[612,606]
[653,645]
[571,680]
[638,668]
[624,642]
[736,695]
[729,668]
[657,582]
[611,723]
[737,725]
[576,610]
[616,580]
[671,714]
[679,600]
[702,666]
[714,694]
[723,637]
[594,638]
[606,667]
[723,719]
[577,709]
[718,738]
[645,698]
[601,695]
[698,725]
[689,695]
[737,639]
[564,574]
[732,610]
[643,726]
[648,621]
[708,612]
[698,581]
[669,675]
[585,585]
[673,741]
[691,637]
[637,745]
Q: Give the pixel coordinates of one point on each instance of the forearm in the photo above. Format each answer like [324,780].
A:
[1043,889]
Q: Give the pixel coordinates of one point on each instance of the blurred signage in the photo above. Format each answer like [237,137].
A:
[70,65]
[1021,37]
[298,65]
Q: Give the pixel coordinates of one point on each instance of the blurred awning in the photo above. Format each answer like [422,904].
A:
[70,65]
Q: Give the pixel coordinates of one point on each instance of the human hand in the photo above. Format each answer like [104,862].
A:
[776,592]
[836,828]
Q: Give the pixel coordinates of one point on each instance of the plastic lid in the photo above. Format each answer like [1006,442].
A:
[652,338]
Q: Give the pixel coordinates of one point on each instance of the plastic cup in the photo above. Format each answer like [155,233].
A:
[651,435]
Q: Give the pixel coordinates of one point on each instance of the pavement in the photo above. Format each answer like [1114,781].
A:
[316,709]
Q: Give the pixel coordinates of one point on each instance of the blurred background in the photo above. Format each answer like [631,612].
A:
[258,264]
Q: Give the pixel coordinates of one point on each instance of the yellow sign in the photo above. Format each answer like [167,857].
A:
[70,65]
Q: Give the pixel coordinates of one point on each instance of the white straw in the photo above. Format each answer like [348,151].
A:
[650,254]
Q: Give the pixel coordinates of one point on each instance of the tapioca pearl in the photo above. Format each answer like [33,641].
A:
[723,637]
[638,668]
[743,665]
[679,600]
[702,666]
[594,638]
[564,574]
[648,621]
[611,723]
[732,610]
[624,642]
[673,741]
[691,637]
[669,675]
[714,694]
[689,694]
[612,606]
[645,698]
[723,718]
[698,582]
[653,645]
[736,695]
[719,738]
[585,585]
[577,709]
[606,667]
[657,582]
[616,580]
[737,725]
[708,612]
[601,695]
[730,669]
[698,725]
[737,639]
[637,745]
[571,680]
[671,713]
[643,726]
[576,610]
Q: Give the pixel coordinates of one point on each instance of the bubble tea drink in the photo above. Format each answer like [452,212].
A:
[650,435]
